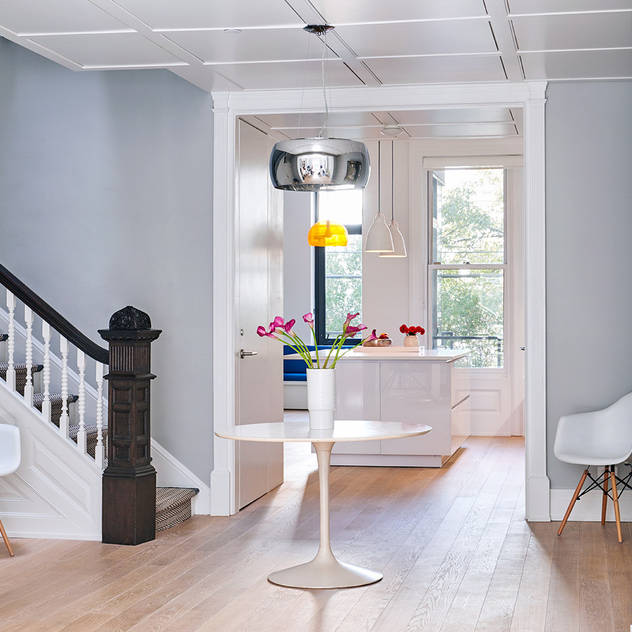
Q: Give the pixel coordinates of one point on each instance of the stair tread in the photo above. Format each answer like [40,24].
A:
[21,366]
[55,398]
[169,497]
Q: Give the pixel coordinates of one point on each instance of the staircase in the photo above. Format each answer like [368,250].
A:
[38,393]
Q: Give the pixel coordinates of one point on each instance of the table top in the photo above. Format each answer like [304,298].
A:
[344,430]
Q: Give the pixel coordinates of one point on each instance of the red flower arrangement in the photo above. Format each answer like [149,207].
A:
[413,330]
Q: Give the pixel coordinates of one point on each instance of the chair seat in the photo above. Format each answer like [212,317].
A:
[589,459]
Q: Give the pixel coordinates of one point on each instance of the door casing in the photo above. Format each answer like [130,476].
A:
[227,106]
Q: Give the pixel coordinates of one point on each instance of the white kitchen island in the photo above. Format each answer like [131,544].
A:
[395,384]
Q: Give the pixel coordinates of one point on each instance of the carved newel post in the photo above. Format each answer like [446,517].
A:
[129,481]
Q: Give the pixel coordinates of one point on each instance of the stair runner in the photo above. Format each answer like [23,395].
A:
[173,504]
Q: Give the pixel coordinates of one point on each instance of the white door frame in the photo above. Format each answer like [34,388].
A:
[227,106]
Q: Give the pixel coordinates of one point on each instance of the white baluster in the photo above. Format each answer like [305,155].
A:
[64,423]
[46,376]
[99,452]
[82,439]
[28,387]
[11,341]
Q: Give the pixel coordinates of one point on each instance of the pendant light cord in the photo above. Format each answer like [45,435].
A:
[392,181]
[323,129]
[379,176]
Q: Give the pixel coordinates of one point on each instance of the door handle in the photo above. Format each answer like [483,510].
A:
[246,354]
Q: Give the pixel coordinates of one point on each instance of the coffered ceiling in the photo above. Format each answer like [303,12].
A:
[260,44]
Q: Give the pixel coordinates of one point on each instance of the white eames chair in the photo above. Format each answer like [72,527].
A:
[602,438]
[10,456]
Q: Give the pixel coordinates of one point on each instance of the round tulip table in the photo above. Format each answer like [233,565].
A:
[324,571]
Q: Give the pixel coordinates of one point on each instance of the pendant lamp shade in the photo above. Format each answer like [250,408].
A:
[321,163]
[325,234]
[379,238]
[399,245]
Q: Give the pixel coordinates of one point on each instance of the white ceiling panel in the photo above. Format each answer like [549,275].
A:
[314,119]
[304,74]
[55,16]
[578,64]
[249,44]
[339,11]
[553,6]
[465,130]
[437,69]
[114,49]
[473,115]
[587,30]
[169,14]
[418,38]
[339,132]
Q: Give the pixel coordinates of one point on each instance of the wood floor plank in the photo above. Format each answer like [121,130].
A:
[456,554]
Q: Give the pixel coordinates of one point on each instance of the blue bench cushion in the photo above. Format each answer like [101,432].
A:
[294,370]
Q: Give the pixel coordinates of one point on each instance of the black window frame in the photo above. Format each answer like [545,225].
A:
[320,317]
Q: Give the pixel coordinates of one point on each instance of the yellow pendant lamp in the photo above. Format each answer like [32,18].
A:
[327,234]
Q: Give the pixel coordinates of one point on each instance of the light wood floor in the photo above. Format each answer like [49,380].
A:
[455,550]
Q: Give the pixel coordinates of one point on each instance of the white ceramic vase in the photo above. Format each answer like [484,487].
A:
[411,341]
[321,398]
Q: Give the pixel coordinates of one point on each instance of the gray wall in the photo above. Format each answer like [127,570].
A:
[589,253]
[298,260]
[105,188]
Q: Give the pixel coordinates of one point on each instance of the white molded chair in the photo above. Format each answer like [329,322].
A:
[10,455]
[600,438]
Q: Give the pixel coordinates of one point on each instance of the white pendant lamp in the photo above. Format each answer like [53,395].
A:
[379,238]
[399,245]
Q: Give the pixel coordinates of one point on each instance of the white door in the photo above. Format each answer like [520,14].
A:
[475,287]
[259,286]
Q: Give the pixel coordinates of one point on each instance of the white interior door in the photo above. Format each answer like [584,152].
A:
[259,286]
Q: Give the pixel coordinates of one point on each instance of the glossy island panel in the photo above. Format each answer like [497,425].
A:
[389,387]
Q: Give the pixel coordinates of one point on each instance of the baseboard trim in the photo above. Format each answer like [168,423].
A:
[386,460]
[172,473]
[54,535]
[588,508]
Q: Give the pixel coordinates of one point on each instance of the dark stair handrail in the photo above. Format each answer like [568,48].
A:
[40,307]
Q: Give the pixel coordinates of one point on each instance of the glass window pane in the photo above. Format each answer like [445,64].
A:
[343,283]
[341,207]
[468,216]
[469,314]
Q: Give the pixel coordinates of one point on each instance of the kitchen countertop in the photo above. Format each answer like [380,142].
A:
[404,353]
[396,353]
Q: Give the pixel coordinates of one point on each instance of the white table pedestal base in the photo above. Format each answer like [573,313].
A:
[324,571]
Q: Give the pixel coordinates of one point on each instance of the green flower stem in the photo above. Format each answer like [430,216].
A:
[315,345]
[306,358]
[333,346]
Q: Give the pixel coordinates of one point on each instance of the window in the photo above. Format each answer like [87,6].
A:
[338,270]
[467,262]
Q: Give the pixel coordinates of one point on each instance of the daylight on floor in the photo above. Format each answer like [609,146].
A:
[315,316]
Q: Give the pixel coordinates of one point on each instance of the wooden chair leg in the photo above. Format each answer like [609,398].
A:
[615,496]
[5,537]
[572,503]
[604,501]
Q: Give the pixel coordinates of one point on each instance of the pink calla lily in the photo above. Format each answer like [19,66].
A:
[308,318]
[352,331]
[261,331]
[288,326]
[278,321]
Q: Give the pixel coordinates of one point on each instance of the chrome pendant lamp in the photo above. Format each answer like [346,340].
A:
[399,245]
[322,163]
[379,238]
